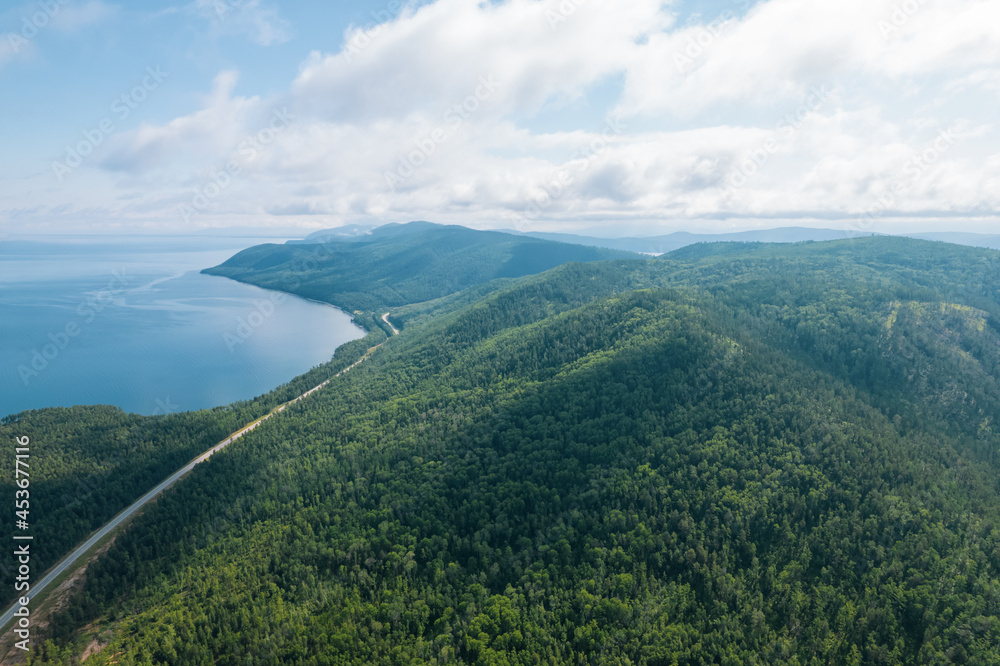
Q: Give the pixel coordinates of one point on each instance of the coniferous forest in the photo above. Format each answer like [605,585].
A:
[731,454]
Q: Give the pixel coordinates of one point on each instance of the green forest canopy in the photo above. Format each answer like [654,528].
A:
[400,264]
[733,454]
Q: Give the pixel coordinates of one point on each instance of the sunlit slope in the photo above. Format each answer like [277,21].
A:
[401,264]
[740,456]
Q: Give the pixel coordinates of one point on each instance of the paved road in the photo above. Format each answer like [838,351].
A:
[385,318]
[86,546]
[81,550]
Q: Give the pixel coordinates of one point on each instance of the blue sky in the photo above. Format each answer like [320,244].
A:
[642,116]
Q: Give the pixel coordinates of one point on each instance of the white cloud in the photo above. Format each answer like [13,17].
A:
[987,78]
[435,56]
[784,46]
[203,135]
[263,25]
[728,131]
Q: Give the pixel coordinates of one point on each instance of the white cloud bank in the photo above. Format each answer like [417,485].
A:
[859,113]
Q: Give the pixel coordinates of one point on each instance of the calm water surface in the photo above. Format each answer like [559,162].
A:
[132,323]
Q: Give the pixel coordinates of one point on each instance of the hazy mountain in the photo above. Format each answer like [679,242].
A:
[961,238]
[398,264]
[674,241]
[679,239]
[346,232]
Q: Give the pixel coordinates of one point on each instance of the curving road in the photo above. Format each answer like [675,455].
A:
[87,545]
[385,318]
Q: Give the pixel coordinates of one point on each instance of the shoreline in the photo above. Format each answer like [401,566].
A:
[360,332]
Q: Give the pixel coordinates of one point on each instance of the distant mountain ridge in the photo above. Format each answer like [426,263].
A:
[665,243]
[678,239]
[399,264]
[346,232]
[641,244]
[991,241]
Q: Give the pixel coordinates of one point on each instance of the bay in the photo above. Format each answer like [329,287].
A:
[132,322]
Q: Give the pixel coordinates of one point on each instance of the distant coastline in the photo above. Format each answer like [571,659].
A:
[156,344]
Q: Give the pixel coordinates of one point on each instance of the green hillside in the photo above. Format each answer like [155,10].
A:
[400,264]
[88,463]
[734,454]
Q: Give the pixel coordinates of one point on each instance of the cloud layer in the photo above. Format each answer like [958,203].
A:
[862,113]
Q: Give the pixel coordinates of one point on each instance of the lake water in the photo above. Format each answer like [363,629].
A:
[132,323]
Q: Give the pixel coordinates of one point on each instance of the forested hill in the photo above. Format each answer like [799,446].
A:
[731,455]
[90,462]
[399,264]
